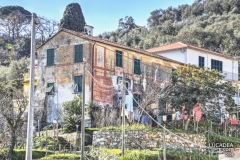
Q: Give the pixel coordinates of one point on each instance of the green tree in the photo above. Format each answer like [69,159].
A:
[13,102]
[14,21]
[73,112]
[191,85]
[73,18]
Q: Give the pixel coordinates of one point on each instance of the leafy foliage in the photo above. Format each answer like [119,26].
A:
[13,102]
[210,24]
[73,112]
[61,156]
[191,85]
[73,18]
[19,154]
[173,154]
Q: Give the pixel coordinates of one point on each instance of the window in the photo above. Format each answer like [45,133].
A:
[136,100]
[78,53]
[50,88]
[215,64]
[137,69]
[119,58]
[50,57]
[201,62]
[77,84]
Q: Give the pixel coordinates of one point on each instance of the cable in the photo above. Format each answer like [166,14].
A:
[106,86]
[185,140]
[153,67]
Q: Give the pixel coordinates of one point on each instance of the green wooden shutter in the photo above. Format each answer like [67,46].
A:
[78,82]
[137,69]
[50,57]
[118,58]
[78,53]
[51,90]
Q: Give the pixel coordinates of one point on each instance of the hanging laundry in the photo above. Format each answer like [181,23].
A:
[185,116]
[149,120]
[169,117]
[178,115]
[129,103]
[164,117]
[136,114]
[198,112]
[144,83]
[144,119]
[173,116]
[154,124]
[160,119]
[155,76]
[234,117]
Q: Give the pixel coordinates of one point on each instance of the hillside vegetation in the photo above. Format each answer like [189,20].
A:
[210,24]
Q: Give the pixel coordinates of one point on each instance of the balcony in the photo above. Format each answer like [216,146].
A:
[229,76]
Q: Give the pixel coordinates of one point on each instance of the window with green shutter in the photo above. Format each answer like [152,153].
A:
[217,65]
[50,88]
[50,57]
[136,100]
[78,53]
[137,69]
[201,62]
[78,84]
[119,58]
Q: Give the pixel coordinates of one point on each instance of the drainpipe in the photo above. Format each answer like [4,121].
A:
[93,46]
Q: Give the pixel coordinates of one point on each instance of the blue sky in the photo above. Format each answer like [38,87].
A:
[103,15]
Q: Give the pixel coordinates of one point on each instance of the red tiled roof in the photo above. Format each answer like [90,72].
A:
[179,45]
[95,39]
[167,47]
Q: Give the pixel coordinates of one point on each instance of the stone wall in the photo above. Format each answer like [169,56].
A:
[146,140]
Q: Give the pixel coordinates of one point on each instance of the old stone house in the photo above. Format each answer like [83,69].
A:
[60,70]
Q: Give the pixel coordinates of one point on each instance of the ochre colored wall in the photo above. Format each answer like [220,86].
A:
[104,72]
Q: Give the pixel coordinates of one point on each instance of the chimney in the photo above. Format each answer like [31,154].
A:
[89,30]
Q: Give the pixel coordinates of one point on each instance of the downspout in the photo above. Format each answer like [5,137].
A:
[93,46]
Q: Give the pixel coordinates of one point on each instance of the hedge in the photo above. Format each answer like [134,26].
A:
[19,154]
[61,156]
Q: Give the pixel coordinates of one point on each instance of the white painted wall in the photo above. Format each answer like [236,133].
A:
[176,55]
[63,91]
[230,67]
[191,56]
[89,30]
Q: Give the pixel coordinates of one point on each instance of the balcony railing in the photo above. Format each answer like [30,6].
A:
[229,76]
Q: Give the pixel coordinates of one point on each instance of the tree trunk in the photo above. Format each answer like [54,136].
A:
[187,123]
[12,144]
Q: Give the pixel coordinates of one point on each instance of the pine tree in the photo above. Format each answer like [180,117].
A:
[73,18]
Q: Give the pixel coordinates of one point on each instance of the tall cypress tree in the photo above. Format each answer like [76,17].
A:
[73,18]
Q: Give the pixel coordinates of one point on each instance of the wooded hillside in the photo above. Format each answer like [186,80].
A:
[211,24]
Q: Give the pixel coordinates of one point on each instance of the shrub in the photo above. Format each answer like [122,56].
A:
[19,154]
[40,142]
[61,156]
[154,155]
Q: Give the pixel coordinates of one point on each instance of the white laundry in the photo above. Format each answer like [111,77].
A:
[129,101]
[144,83]
[155,76]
